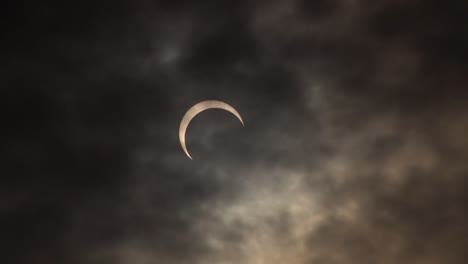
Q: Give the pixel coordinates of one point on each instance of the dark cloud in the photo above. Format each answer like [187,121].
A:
[354,147]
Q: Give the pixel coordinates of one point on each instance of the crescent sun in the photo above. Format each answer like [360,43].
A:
[195,110]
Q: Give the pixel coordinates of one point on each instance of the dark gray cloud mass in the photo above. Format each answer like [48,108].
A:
[354,149]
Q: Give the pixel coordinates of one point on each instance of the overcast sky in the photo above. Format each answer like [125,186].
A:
[354,148]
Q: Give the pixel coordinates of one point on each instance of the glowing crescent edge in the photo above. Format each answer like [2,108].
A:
[195,110]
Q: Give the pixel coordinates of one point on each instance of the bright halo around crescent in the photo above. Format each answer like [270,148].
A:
[195,110]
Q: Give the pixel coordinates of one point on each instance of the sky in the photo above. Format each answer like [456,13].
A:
[354,147]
